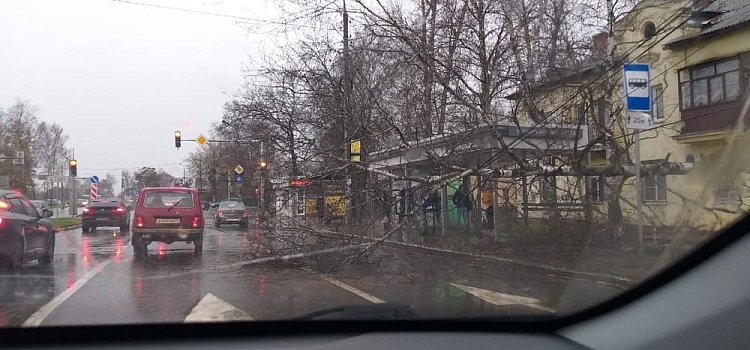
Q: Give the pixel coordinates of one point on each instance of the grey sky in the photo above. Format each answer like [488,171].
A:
[121,78]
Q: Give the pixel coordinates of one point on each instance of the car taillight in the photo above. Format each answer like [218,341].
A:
[4,205]
[196,221]
[139,221]
[86,210]
[220,214]
[120,210]
[2,222]
[245,214]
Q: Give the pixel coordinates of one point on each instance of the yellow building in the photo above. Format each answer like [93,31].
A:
[699,54]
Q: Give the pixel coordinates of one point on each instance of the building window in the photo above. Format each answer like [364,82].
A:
[655,188]
[649,30]
[710,83]
[596,188]
[657,103]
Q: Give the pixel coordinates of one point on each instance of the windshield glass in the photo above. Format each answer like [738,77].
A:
[274,158]
[168,199]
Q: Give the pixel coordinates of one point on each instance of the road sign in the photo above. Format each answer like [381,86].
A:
[239,169]
[94,179]
[239,177]
[201,140]
[136,193]
[355,148]
[640,121]
[637,79]
[94,190]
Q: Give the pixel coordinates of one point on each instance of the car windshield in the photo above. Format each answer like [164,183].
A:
[168,199]
[276,158]
[232,206]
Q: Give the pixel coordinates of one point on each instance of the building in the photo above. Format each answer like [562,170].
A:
[699,55]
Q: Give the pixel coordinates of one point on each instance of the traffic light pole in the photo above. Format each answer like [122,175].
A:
[73,189]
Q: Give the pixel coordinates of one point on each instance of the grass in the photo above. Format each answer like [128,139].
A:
[65,222]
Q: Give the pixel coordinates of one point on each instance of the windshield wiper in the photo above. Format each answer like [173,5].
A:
[175,203]
[384,311]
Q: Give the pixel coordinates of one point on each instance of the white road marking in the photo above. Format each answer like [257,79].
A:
[36,319]
[501,299]
[212,309]
[364,295]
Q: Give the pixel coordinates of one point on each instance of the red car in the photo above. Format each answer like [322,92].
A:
[167,214]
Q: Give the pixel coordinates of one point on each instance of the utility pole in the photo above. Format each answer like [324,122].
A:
[73,195]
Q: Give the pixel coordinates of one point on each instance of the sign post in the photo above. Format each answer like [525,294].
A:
[637,79]
[94,187]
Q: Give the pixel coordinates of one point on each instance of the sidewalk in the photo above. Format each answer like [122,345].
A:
[619,262]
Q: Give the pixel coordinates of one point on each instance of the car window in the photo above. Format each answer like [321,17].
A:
[20,206]
[158,199]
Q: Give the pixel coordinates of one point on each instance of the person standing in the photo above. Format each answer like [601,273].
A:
[462,200]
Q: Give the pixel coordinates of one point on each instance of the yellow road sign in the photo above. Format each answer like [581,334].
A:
[201,140]
[239,169]
[354,150]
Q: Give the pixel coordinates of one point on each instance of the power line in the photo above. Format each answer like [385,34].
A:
[215,14]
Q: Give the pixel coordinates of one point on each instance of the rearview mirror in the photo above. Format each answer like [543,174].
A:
[47,213]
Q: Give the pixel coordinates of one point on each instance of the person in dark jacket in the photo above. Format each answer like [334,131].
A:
[463,203]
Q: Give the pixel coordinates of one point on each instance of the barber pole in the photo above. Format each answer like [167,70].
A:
[94,190]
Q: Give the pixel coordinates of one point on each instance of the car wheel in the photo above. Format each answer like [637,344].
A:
[84,228]
[49,253]
[18,255]
[243,224]
[124,228]
[198,245]
[217,222]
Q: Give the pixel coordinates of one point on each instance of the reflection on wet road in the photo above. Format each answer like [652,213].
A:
[95,279]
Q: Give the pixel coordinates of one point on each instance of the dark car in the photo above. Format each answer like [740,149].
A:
[101,213]
[231,212]
[167,214]
[25,232]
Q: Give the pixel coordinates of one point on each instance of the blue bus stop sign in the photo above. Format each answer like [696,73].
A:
[637,87]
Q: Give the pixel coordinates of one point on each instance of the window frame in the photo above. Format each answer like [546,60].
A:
[660,189]
[741,72]
[657,103]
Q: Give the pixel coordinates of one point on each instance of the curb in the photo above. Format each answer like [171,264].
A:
[591,276]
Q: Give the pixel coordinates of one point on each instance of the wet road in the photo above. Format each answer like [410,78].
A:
[95,279]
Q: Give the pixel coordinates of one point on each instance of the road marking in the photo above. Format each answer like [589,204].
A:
[36,319]
[501,299]
[212,309]
[364,295]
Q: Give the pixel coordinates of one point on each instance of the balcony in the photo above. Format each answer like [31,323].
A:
[711,118]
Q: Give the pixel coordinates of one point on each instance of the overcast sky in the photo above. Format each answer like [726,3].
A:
[121,78]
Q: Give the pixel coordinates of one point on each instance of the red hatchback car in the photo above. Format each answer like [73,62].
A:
[167,214]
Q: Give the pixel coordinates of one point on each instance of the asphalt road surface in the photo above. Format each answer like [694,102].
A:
[241,275]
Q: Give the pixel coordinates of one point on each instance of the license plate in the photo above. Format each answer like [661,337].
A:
[167,221]
[102,219]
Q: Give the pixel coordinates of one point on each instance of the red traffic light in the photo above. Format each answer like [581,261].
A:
[257,190]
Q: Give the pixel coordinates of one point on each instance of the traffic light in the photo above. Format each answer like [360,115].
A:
[257,191]
[73,168]
[177,139]
[263,164]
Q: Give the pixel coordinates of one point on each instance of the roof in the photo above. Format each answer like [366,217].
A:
[714,19]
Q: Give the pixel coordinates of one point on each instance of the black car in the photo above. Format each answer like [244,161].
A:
[100,213]
[25,232]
